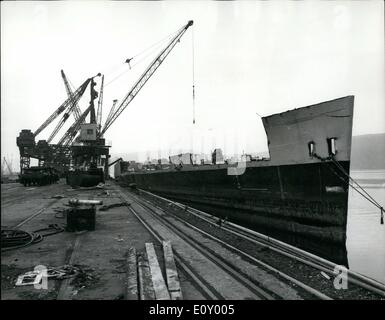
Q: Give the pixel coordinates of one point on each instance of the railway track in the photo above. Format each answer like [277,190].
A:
[20,194]
[264,282]
[279,247]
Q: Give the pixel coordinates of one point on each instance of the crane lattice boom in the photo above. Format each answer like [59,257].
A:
[100,106]
[114,102]
[73,130]
[76,110]
[76,96]
[73,108]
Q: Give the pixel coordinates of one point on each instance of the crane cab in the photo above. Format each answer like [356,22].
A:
[88,132]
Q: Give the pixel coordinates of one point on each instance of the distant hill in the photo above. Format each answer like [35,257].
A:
[368,152]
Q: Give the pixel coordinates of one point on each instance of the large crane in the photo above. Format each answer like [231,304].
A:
[42,150]
[90,150]
[70,134]
[92,153]
[145,76]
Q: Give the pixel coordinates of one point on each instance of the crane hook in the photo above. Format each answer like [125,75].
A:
[128,61]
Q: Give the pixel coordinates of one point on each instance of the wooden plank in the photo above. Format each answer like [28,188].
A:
[146,289]
[132,275]
[172,277]
[160,288]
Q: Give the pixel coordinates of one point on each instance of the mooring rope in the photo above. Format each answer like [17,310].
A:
[364,193]
[354,181]
[367,196]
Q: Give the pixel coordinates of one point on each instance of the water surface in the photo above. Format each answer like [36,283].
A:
[365,235]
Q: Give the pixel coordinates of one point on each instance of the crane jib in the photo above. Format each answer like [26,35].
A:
[78,93]
[189,24]
[76,111]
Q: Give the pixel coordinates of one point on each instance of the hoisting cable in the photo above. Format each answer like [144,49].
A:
[148,54]
[193,73]
[150,50]
[351,182]
[114,68]
[116,78]
[156,43]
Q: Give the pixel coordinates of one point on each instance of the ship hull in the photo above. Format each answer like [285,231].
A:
[301,191]
[306,199]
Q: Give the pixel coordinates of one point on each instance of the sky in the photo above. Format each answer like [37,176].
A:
[251,59]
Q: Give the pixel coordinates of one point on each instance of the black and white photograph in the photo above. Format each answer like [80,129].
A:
[193,151]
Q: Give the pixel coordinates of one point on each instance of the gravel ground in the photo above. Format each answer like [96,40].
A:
[302,272]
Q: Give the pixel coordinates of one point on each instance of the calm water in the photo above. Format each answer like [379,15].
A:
[365,235]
